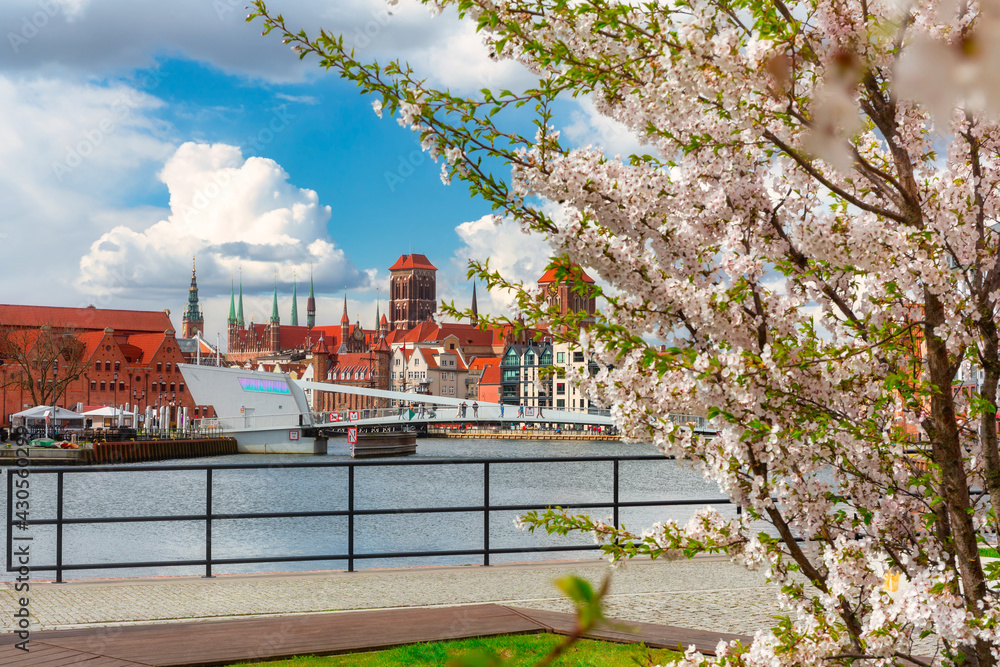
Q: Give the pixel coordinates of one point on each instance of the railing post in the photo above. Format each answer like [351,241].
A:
[615,506]
[208,524]
[486,513]
[350,518]
[59,526]
[10,519]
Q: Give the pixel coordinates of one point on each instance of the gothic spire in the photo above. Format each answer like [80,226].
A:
[232,301]
[311,303]
[239,313]
[295,301]
[475,306]
[274,304]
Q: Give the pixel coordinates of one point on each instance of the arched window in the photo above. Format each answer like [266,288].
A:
[529,358]
[159,366]
[168,366]
[102,385]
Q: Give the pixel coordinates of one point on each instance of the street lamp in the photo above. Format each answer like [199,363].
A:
[117,416]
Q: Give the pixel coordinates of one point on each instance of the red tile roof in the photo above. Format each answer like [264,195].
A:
[550,275]
[88,319]
[412,262]
[428,356]
[484,362]
[149,344]
[491,375]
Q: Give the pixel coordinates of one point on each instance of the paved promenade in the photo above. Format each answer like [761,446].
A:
[706,593]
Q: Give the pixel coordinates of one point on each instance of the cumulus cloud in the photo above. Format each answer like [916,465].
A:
[237,216]
[516,255]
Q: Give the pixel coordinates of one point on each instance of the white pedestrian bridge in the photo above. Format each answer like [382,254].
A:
[427,409]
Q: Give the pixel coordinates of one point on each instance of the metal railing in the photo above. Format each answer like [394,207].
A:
[210,517]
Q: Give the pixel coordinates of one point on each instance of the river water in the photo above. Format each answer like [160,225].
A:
[274,489]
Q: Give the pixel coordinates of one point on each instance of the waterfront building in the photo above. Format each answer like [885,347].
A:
[107,357]
[476,368]
[526,372]
[490,385]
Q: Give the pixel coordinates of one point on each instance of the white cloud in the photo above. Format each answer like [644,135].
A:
[588,127]
[236,216]
[115,35]
[516,255]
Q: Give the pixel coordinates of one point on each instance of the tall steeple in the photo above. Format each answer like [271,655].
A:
[193,319]
[311,302]
[232,302]
[239,313]
[295,301]
[475,306]
[377,299]
[274,303]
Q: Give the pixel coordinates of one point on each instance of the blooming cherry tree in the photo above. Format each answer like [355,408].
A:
[811,242]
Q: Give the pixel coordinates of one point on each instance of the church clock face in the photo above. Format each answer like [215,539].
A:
[359,334]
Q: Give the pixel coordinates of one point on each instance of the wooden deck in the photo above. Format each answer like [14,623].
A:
[275,637]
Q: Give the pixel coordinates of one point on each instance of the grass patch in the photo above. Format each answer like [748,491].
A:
[513,650]
[989,552]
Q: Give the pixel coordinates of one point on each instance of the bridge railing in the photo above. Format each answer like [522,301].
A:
[358,504]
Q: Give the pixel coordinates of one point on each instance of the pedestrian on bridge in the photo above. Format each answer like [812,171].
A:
[475,410]
[520,410]
[501,410]
[464,408]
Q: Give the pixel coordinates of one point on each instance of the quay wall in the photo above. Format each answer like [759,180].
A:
[125,452]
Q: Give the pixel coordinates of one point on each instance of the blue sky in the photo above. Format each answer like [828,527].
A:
[135,134]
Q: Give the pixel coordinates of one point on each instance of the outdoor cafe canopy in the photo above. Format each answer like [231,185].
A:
[37,416]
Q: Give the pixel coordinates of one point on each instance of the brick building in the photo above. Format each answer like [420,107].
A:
[412,291]
[119,357]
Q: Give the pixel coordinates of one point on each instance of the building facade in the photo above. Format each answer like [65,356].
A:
[114,357]
[412,291]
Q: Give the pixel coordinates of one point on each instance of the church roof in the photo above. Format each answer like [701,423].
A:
[550,275]
[412,262]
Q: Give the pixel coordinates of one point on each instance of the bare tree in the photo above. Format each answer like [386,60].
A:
[49,361]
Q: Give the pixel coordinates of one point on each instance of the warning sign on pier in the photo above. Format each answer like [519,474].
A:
[352,435]
[353,416]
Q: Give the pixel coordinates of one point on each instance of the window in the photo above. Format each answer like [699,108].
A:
[546,357]
[560,403]
[172,387]
[181,389]
[97,365]
[168,366]
[159,366]
[93,385]
[560,387]
[102,385]
[577,357]
[107,365]
[118,366]
[511,359]
[121,385]
[529,358]
[451,376]
[560,357]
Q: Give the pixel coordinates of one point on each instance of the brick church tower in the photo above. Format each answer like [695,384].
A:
[413,291]
[193,319]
